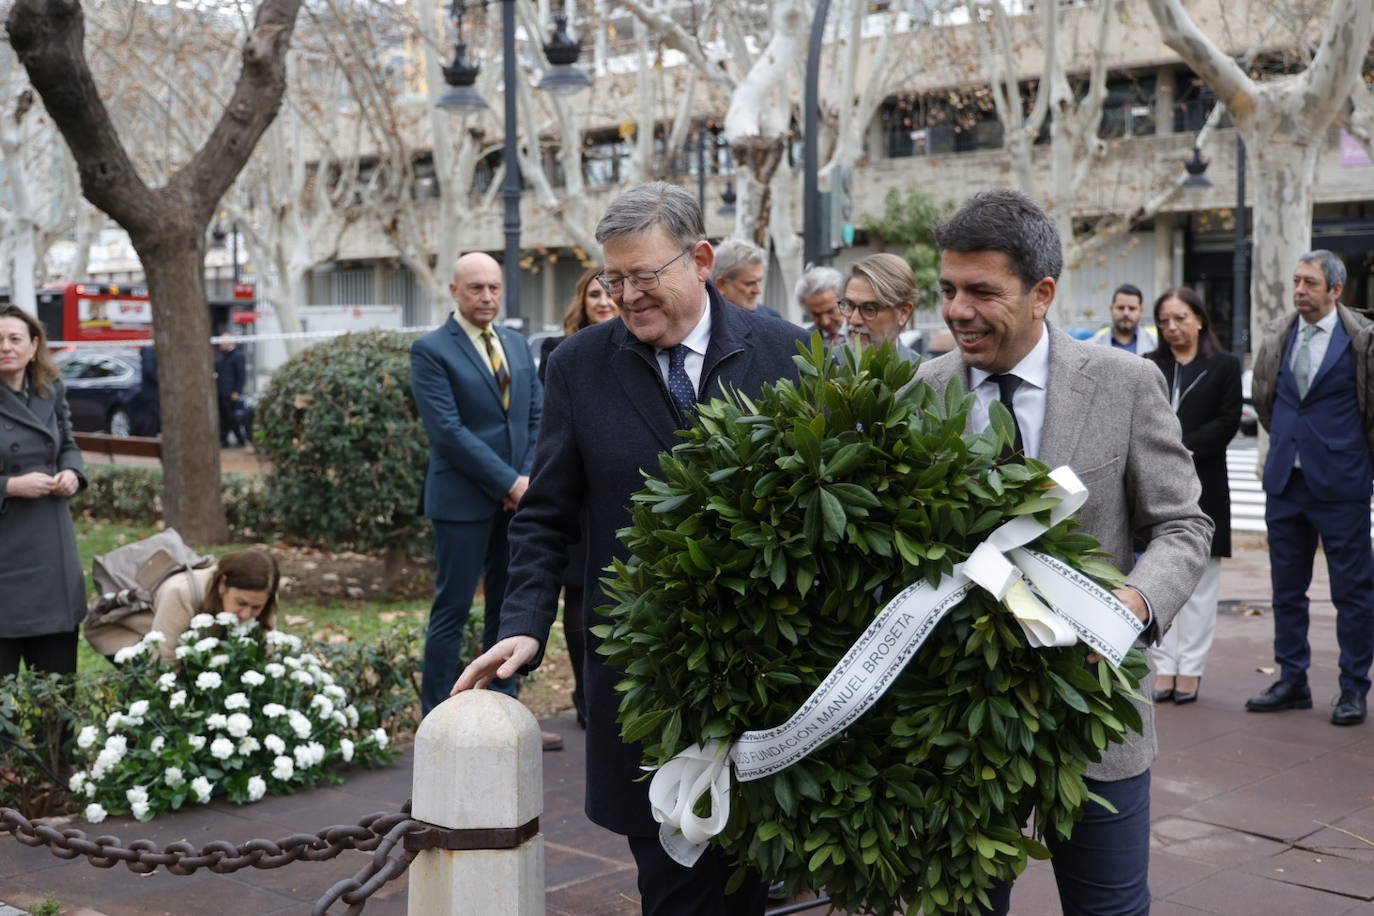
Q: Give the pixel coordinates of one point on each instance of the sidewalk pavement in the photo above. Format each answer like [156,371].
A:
[1254,815]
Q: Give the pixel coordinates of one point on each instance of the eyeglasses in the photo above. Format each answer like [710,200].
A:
[869,310]
[643,280]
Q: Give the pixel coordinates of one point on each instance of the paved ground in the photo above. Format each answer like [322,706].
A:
[1253,815]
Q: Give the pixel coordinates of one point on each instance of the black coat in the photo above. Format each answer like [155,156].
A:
[230,372]
[607,417]
[42,584]
[1209,412]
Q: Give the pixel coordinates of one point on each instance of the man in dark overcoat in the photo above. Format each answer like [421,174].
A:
[615,395]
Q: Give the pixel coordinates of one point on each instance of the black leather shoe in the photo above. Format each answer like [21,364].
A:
[1180,698]
[1350,709]
[1281,695]
[1163,696]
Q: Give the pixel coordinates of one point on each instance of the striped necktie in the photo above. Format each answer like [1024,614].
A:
[498,369]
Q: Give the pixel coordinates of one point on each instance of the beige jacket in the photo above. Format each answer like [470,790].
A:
[176,602]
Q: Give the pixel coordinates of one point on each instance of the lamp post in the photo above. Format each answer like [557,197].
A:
[1240,283]
[562,78]
[811,198]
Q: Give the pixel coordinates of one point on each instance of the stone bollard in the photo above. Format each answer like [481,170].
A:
[479,769]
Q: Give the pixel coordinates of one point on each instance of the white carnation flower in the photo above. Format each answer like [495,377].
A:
[197,742]
[138,709]
[90,788]
[346,749]
[136,794]
[157,744]
[275,638]
[178,699]
[275,670]
[219,661]
[248,745]
[339,718]
[173,776]
[94,813]
[206,644]
[77,781]
[253,678]
[274,744]
[114,721]
[217,721]
[238,725]
[283,768]
[153,637]
[352,713]
[292,662]
[299,724]
[304,758]
[322,677]
[202,621]
[167,681]
[257,788]
[201,786]
[226,619]
[182,652]
[117,745]
[246,627]
[335,691]
[272,710]
[303,677]
[208,680]
[236,701]
[88,736]
[221,748]
[379,736]
[138,809]
[128,653]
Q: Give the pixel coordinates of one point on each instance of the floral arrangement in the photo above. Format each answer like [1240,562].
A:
[772,537]
[244,713]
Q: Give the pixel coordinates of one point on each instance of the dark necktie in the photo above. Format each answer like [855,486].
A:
[498,369]
[1006,388]
[680,383]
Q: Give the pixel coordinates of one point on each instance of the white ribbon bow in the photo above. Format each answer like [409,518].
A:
[1054,604]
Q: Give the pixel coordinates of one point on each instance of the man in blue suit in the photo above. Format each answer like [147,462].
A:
[1312,393]
[477,392]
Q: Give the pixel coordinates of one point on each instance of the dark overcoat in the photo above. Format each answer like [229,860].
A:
[607,418]
[1209,412]
[42,586]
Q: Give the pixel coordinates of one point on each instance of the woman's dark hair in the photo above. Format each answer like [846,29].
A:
[250,570]
[42,372]
[575,315]
[1207,343]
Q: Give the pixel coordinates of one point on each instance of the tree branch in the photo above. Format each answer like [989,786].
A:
[1233,88]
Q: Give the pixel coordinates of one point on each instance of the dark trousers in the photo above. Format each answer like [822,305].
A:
[1295,521]
[575,632]
[463,553]
[229,422]
[668,889]
[1102,869]
[55,652]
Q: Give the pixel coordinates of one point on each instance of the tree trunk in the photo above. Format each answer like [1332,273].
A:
[1282,167]
[191,498]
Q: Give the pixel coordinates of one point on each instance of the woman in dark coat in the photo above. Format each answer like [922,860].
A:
[42,586]
[1204,386]
[590,304]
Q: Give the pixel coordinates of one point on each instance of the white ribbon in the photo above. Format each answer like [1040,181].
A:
[1055,605]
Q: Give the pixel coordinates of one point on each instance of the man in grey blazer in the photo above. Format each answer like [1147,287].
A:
[1105,414]
[616,395]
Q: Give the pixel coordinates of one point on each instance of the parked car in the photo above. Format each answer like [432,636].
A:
[107,394]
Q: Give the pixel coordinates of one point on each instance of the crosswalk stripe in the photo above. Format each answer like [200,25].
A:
[1247,493]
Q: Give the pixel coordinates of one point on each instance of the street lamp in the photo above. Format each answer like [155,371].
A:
[1240,280]
[811,197]
[462,97]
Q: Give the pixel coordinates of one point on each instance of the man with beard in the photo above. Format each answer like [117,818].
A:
[616,393]
[1312,393]
[1125,332]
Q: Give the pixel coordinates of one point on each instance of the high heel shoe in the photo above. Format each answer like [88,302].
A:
[1164,696]
[1181,697]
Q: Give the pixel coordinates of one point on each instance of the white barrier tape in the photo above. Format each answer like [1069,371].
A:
[1054,604]
[237,338]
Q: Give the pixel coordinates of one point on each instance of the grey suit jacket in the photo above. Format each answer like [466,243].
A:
[1107,416]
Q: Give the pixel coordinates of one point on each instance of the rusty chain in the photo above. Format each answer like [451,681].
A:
[378,833]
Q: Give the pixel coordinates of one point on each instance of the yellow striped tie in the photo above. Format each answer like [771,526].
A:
[498,369]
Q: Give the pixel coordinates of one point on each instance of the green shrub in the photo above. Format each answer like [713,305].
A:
[347,446]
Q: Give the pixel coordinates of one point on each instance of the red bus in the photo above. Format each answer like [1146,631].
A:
[96,312]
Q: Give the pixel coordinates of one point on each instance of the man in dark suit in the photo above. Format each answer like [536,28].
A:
[1105,414]
[230,374]
[476,390]
[1312,393]
[616,394]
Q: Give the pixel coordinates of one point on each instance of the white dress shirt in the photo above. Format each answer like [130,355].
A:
[1029,399]
[696,343]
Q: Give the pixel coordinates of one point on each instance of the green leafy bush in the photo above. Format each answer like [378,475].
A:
[347,447]
[757,560]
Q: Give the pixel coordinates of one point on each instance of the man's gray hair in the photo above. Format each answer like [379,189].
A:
[1333,268]
[1010,222]
[733,256]
[655,203]
[819,280]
